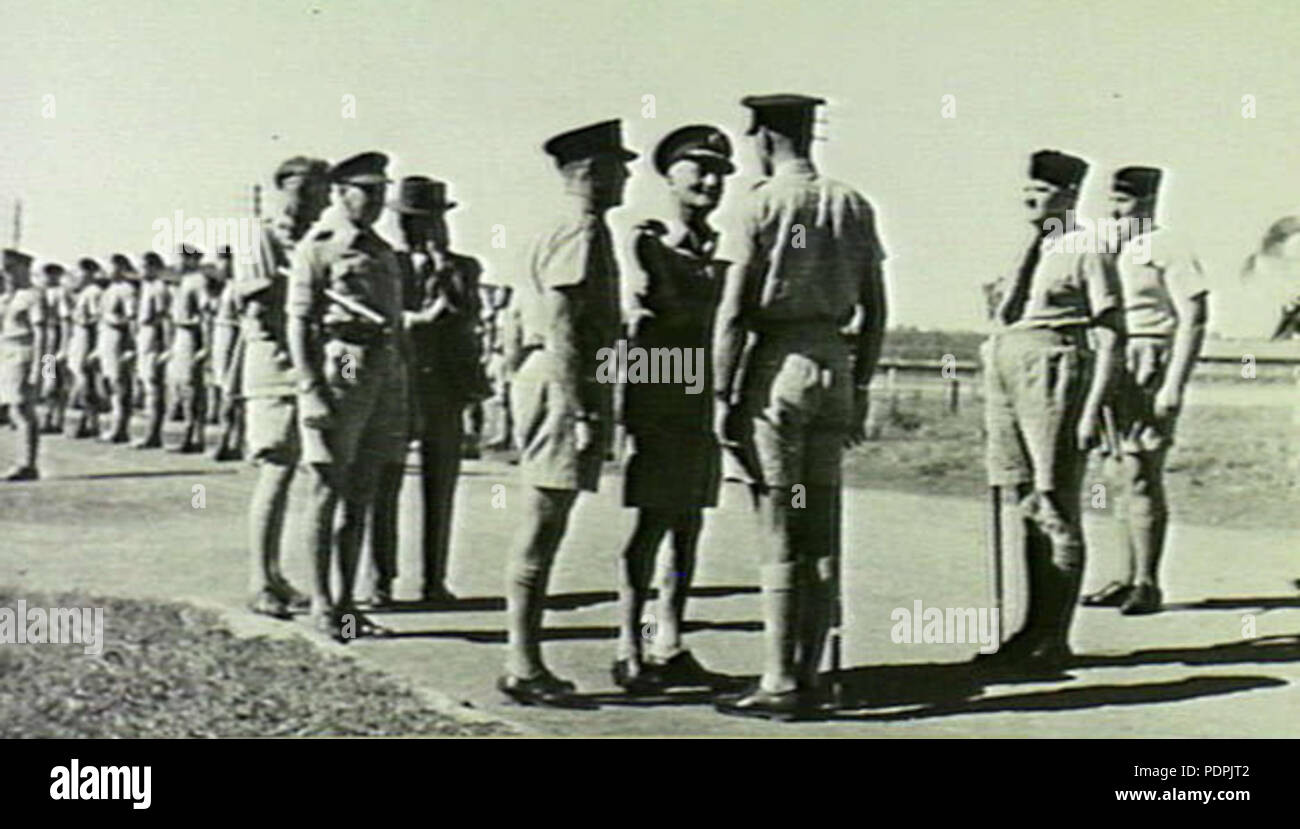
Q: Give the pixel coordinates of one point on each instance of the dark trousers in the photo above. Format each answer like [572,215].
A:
[440,433]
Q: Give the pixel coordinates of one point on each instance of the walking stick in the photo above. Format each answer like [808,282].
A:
[995,552]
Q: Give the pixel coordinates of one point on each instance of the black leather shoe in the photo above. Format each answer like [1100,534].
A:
[21,473]
[684,671]
[644,681]
[785,706]
[544,689]
[1113,594]
[1016,649]
[1144,600]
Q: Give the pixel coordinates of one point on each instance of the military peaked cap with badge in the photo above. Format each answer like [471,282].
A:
[705,144]
[604,138]
[363,169]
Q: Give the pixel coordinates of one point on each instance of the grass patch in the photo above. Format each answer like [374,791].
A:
[172,670]
[1231,465]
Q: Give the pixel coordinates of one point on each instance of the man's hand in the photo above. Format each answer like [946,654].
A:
[315,409]
[584,436]
[1086,432]
[1169,399]
[861,406]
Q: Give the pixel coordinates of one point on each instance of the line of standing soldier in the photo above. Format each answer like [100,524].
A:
[105,344]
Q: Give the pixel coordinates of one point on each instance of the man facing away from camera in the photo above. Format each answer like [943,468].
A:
[798,335]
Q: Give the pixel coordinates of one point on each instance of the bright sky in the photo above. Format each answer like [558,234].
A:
[165,105]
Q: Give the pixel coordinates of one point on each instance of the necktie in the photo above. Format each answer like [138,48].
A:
[1014,305]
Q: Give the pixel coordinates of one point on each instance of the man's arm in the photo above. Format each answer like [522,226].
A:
[874,314]
[36,316]
[1193,314]
[730,332]
[313,398]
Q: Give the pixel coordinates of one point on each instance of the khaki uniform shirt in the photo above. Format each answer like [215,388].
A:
[1153,269]
[22,311]
[811,240]
[569,303]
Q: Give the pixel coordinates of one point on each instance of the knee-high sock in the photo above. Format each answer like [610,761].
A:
[266,514]
[780,583]
[527,577]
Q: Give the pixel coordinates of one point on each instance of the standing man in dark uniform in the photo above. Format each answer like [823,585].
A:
[568,306]
[670,296]
[266,379]
[444,373]
[344,312]
[806,276]
[1048,367]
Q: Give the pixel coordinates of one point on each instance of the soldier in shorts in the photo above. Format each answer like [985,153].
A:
[1165,313]
[227,359]
[190,349]
[798,334]
[344,312]
[22,344]
[568,306]
[116,347]
[266,377]
[152,323]
[54,373]
[83,363]
[1048,367]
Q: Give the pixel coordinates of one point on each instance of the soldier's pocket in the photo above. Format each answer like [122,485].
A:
[1063,373]
[795,391]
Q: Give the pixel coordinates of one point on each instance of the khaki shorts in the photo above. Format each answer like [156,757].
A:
[367,388]
[1035,383]
[545,432]
[114,366]
[272,424]
[15,373]
[800,398]
[1146,362]
[149,370]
